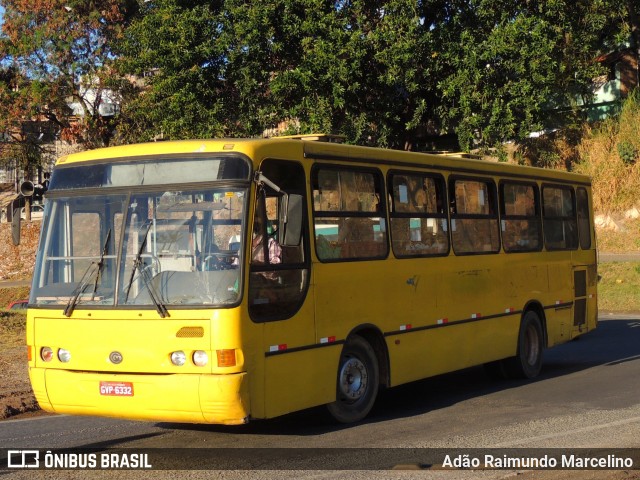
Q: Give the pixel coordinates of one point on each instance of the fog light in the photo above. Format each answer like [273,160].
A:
[200,358]
[46,354]
[64,355]
[178,358]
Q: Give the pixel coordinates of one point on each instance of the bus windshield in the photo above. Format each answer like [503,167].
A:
[151,247]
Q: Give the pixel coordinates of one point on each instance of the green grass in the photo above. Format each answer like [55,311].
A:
[619,287]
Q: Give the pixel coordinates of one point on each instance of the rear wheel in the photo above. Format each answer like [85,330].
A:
[357,383]
[528,360]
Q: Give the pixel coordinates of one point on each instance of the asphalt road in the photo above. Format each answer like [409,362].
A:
[588,396]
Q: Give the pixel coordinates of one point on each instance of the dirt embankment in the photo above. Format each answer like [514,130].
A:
[16,396]
[16,263]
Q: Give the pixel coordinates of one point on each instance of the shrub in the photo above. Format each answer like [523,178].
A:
[627,152]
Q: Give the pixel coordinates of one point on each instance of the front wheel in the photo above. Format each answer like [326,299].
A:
[357,383]
[528,360]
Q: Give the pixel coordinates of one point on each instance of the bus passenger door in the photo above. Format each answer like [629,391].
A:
[279,276]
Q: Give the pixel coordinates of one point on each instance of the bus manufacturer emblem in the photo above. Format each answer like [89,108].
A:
[115,357]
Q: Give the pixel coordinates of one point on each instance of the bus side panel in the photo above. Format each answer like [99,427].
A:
[298,373]
[425,353]
[559,311]
[301,379]
[386,296]
[353,294]
[440,298]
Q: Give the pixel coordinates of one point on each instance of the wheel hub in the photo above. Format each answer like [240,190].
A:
[353,379]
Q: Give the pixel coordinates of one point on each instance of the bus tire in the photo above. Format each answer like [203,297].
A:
[357,383]
[528,360]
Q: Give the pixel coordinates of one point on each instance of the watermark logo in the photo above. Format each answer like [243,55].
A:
[23,459]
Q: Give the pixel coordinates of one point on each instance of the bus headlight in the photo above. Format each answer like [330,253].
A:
[178,358]
[46,354]
[200,358]
[64,355]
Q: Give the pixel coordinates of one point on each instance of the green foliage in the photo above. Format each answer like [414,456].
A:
[509,63]
[627,152]
[353,68]
[386,73]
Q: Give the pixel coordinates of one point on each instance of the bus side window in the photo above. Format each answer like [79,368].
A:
[349,214]
[474,218]
[520,211]
[584,224]
[418,216]
[559,217]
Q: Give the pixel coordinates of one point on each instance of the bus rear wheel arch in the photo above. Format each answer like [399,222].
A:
[527,362]
[357,383]
[531,342]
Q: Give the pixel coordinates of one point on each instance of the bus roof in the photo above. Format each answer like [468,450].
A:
[322,147]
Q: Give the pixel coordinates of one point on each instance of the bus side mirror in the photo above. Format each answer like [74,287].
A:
[290,227]
[15,227]
[29,189]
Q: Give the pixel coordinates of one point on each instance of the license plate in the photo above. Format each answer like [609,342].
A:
[116,389]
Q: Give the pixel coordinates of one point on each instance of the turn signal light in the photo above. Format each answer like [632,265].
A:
[29,355]
[226,358]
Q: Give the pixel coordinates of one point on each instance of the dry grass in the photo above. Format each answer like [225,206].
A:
[627,239]
[17,262]
[8,295]
[12,329]
[616,182]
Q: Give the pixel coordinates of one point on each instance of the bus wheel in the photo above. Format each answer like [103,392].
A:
[528,361]
[358,381]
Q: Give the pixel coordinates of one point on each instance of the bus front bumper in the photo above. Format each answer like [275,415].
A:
[221,399]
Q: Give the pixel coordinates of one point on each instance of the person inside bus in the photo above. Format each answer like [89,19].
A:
[258,244]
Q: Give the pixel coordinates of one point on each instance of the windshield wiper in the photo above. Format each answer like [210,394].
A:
[86,278]
[137,264]
[105,248]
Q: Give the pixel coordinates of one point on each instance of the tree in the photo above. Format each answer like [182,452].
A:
[19,145]
[509,64]
[57,54]
[175,50]
[238,68]
[378,72]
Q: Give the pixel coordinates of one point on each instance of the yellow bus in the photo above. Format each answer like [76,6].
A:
[219,281]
